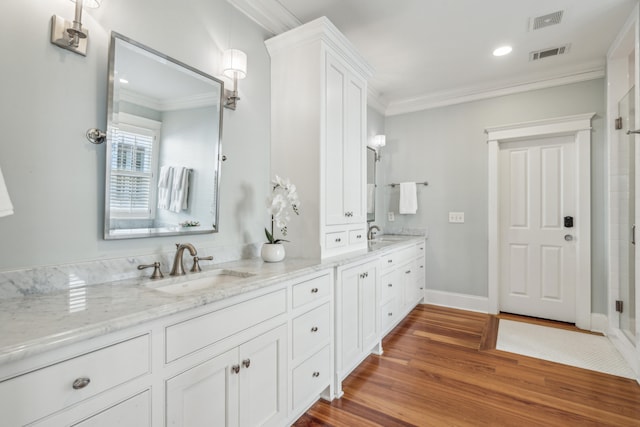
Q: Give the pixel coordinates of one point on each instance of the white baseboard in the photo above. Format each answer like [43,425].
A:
[599,323]
[455,300]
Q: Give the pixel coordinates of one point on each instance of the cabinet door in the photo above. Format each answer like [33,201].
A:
[368,308]
[354,161]
[263,378]
[350,342]
[335,99]
[206,395]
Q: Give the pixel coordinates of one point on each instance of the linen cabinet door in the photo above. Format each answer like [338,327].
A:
[335,103]
[354,151]
[205,395]
[263,379]
[349,323]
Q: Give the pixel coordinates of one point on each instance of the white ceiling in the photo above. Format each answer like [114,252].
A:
[428,53]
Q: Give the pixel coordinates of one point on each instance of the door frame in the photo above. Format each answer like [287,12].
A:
[579,127]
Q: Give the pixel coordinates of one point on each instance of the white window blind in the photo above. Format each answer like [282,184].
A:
[133,162]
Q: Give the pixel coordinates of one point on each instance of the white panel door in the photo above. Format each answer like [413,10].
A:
[205,395]
[537,252]
[336,81]
[263,379]
[349,320]
[368,307]
[354,174]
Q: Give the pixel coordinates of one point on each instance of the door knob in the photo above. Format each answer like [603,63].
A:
[568,237]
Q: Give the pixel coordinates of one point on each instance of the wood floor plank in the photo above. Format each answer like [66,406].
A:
[440,368]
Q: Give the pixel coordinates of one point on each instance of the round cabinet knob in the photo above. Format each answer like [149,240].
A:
[81,383]
[314,329]
[390,285]
[316,374]
[246,363]
[390,314]
[568,237]
[314,290]
[235,369]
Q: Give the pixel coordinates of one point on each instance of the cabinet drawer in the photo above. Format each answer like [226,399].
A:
[396,258]
[357,236]
[311,377]
[336,240]
[390,285]
[311,290]
[193,334]
[36,394]
[388,314]
[311,330]
[420,250]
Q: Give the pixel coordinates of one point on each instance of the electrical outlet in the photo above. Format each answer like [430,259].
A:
[391,216]
[456,217]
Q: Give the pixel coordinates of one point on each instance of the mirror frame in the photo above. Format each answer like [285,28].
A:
[154,232]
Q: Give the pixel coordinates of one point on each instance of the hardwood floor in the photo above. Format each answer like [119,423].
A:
[440,368]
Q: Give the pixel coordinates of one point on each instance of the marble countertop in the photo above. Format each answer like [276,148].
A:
[37,323]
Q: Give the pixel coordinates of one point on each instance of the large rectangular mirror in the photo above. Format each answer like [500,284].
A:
[371,184]
[164,130]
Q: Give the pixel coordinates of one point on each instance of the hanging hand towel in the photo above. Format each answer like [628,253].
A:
[165,182]
[180,189]
[408,198]
[6,208]
[371,198]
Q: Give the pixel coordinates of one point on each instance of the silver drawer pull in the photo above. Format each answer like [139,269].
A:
[81,383]
[389,261]
[338,240]
[316,374]
[314,329]
[246,363]
[390,314]
[235,369]
[314,290]
[407,272]
[359,236]
[390,285]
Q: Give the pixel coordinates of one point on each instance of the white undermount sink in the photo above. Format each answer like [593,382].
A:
[212,279]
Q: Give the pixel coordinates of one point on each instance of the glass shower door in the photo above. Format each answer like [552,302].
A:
[627,214]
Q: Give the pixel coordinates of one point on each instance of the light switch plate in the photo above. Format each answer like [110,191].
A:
[391,216]
[456,217]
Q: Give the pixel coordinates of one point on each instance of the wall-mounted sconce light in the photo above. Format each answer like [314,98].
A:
[6,208]
[234,63]
[71,35]
[377,143]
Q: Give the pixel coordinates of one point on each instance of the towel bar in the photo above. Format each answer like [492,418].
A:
[417,183]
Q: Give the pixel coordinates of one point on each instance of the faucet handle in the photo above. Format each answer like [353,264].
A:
[196,266]
[157,274]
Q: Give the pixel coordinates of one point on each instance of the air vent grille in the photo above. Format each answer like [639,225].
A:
[547,20]
[549,52]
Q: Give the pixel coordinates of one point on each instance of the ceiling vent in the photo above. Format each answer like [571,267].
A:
[547,53]
[547,20]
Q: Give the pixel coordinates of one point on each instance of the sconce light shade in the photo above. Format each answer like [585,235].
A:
[91,4]
[6,208]
[379,141]
[234,63]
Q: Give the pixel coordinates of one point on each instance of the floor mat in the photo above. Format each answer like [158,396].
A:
[577,349]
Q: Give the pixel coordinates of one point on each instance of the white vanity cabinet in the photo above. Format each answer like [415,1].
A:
[244,386]
[402,279]
[356,302]
[92,384]
[318,135]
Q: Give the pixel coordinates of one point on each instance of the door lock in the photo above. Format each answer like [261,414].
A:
[568,222]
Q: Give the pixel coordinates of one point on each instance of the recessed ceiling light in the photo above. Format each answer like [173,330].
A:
[502,50]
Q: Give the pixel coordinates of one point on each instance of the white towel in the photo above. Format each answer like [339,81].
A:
[6,208]
[165,182]
[371,198]
[180,189]
[408,198]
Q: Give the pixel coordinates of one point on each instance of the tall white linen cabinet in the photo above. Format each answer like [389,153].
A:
[318,136]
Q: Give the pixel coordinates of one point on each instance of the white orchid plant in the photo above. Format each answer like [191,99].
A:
[280,204]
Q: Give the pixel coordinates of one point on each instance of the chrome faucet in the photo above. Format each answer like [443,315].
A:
[178,266]
[371,232]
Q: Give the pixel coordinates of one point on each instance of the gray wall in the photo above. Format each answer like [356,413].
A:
[447,147]
[50,97]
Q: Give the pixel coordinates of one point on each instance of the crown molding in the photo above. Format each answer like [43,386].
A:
[269,14]
[375,100]
[443,99]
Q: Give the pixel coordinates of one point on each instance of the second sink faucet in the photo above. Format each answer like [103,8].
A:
[178,266]
[371,232]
